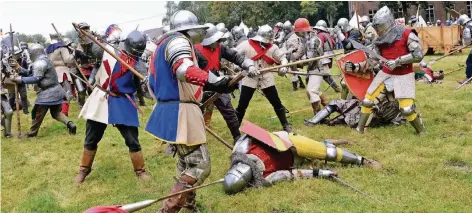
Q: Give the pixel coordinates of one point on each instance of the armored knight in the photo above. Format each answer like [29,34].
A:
[91,50]
[25,56]
[176,82]
[62,57]
[314,48]
[261,158]
[328,44]
[427,75]
[17,56]
[401,47]
[466,22]
[369,32]
[264,53]
[6,83]
[238,34]
[279,34]
[295,48]
[112,102]
[209,54]
[50,95]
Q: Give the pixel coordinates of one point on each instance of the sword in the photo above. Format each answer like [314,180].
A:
[339,180]
[465,82]
[372,53]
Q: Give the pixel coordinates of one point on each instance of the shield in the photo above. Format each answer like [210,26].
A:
[265,137]
[357,83]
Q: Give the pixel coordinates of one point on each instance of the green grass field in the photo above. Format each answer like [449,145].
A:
[431,173]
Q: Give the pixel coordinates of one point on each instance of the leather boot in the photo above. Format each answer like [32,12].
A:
[71,127]
[207,117]
[418,125]
[362,122]
[324,102]
[174,204]
[85,165]
[281,114]
[300,81]
[137,160]
[295,86]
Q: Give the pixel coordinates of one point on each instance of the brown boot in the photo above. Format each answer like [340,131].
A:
[137,160]
[85,165]
[186,200]
[370,163]
[207,116]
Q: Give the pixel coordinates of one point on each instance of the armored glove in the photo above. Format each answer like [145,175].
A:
[324,173]
[351,67]
[253,72]
[220,85]
[282,71]
[392,64]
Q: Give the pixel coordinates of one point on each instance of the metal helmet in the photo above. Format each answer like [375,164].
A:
[135,43]
[383,21]
[343,24]
[264,34]
[365,19]
[113,33]
[279,25]
[84,26]
[413,19]
[212,35]
[23,45]
[184,20]
[237,178]
[35,51]
[321,25]
[227,35]
[423,64]
[221,27]
[287,26]
[238,32]
[66,41]
[463,20]
[302,25]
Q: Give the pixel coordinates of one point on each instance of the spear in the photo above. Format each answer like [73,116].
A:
[339,180]
[17,95]
[143,204]
[446,55]
[108,51]
[240,76]
[464,83]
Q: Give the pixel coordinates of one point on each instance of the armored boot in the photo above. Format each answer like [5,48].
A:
[137,160]
[281,114]
[7,131]
[300,81]
[295,86]
[370,163]
[321,115]
[85,165]
[174,204]
[418,125]
[362,122]
[71,127]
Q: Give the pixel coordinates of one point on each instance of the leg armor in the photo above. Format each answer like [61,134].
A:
[322,114]
[8,115]
[287,175]
[311,149]
[344,90]
[408,111]
[367,107]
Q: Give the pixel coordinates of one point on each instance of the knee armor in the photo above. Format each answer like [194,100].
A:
[407,111]
[367,103]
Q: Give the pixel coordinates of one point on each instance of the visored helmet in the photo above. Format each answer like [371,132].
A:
[135,43]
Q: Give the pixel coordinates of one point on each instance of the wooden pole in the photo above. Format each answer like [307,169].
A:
[108,51]
[220,139]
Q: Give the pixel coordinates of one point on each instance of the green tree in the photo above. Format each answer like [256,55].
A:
[326,10]
[72,35]
[200,8]
[171,8]
[394,6]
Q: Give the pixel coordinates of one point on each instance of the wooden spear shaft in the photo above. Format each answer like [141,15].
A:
[108,51]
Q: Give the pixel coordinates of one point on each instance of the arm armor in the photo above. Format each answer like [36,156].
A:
[39,68]
[179,57]
[467,36]
[242,145]
[416,53]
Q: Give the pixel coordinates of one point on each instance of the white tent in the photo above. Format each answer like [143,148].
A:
[353,22]
[245,28]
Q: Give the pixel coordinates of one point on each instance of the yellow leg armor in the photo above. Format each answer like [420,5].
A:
[405,104]
[371,97]
[311,149]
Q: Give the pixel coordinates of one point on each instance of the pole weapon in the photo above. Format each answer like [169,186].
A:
[17,94]
[343,182]
[464,83]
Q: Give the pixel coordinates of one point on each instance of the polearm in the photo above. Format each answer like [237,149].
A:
[17,94]
[146,203]
[92,87]
[108,51]
[339,180]
[75,61]
[218,138]
[240,75]
[296,111]
[446,55]
[464,83]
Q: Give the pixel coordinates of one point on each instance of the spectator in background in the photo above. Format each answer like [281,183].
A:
[448,23]
[439,23]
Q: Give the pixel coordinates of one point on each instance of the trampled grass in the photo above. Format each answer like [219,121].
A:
[431,173]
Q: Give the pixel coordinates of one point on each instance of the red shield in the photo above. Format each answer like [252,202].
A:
[265,137]
[357,83]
